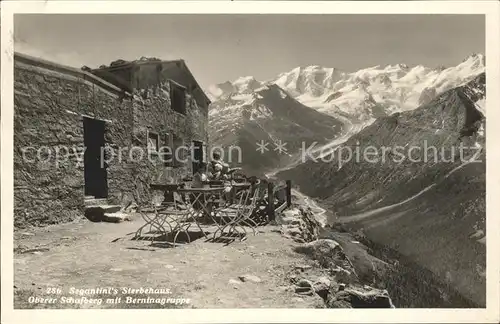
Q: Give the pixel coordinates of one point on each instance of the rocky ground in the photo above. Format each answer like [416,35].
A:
[284,266]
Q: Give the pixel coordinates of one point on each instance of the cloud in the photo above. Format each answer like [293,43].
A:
[65,58]
[91,59]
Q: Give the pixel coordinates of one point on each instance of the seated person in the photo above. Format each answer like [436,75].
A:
[220,171]
[200,178]
[219,167]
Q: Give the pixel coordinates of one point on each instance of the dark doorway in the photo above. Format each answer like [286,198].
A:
[198,155]
[96,182]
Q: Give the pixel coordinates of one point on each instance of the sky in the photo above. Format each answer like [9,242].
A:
[218,48]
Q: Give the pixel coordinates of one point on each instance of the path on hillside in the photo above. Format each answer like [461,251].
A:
[374,212]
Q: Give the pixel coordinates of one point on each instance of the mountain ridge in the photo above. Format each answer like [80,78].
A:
[349,101]
[269,115]
[364,95]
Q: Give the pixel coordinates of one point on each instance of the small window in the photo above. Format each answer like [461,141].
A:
[178,98]
[168,150]
[153,142]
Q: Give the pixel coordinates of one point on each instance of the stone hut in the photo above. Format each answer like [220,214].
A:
[87,134]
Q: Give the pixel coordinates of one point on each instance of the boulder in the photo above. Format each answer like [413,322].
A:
[304,291]
[304,287]
[130,208]
[97,213]
[357,297]
[293,232]
[116,217]
[323,246]
[342,275]
[250,278]
[304,283]
[322,287]
[298,223]
[327,252]
[288,216]
[364,266]
[302,267]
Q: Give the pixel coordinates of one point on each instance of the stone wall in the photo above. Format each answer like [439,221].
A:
[49,104]
[153,113]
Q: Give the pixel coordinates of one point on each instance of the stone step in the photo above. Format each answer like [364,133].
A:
[96,213]
[105,208]
[116,217]
[95,201]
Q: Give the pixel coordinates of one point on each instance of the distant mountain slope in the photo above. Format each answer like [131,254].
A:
[270,115]
[443,123]
[432,211]
[246,110]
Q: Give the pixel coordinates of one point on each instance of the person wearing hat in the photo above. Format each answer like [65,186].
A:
[221,171]
[219,167]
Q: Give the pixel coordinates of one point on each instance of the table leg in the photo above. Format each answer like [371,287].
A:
[203,208]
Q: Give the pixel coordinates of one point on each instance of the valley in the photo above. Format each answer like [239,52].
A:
[430,213]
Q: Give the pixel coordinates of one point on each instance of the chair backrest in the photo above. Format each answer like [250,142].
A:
[143,196]
[252,195]
[216,183]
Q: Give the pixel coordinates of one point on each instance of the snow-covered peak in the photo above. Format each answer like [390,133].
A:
[402,66]
[472,63]
[217,91]
[313,79]
[390,88]
[246,84]
[439,68]
[244,80]
[242,85]
[475,57]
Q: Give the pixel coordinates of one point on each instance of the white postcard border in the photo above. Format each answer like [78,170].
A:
[491,314]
